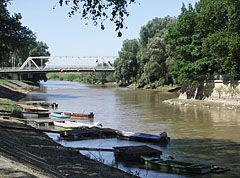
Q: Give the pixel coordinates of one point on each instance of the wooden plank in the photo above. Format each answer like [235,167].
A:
[77,148]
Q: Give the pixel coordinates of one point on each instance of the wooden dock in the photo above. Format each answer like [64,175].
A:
[30,108]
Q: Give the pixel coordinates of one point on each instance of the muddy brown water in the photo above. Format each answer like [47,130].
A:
[200,135]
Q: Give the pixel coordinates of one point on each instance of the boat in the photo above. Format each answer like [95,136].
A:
[58,115]
[97,124]
[134,153]
[70,124]
[39,103]
[79,115]
[35,114]
[88,133]
[175,166]
[144,137]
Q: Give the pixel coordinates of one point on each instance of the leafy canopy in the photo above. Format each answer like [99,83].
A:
[100,10]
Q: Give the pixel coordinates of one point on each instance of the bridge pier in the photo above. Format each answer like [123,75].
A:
[15,76]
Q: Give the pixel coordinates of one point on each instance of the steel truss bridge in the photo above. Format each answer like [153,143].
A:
[51,64]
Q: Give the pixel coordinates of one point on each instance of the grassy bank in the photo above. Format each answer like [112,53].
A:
[10,106]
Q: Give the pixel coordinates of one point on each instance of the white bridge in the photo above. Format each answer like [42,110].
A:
[47,64]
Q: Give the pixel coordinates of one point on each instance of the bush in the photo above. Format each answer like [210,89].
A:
[16,111]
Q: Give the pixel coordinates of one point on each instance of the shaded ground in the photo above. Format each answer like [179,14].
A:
[18,159]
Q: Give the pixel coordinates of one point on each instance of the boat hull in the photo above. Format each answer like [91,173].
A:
[176,166]
[57,115]
[78,115]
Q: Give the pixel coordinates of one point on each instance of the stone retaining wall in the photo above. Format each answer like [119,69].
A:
[212,90]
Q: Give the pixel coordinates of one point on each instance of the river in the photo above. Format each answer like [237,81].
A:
[200,135]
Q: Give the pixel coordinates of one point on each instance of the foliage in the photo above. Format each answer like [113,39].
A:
[11,106]
[126,65]
[17,42]
[16,111]
[14,38]
[206,39]
[146,61]
[98,11]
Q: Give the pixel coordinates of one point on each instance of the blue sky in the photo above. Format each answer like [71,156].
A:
[71,37]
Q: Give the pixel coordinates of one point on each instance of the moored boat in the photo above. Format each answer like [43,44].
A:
[79,115]
[176,166]
[58,115]
[144,137]
[134,153]
[70,124]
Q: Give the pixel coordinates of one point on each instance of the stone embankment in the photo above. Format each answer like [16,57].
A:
[217,104]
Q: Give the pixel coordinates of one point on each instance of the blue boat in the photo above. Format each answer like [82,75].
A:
[144,137]
[58,115]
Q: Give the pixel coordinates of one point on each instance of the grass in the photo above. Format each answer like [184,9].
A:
[9,105]
[5,176]
[7,102]
[169,86]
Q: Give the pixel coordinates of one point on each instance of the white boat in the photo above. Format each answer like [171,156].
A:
[70,124]
[80,124]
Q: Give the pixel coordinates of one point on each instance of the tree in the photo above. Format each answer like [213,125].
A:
[156,26]
[14,38]
[154,53]
[206,40]
[38,48]
[98,11]
[126,65]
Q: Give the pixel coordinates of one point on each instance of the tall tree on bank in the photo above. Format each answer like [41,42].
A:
[126,65]
[14,38]
[154,57]
[207,41]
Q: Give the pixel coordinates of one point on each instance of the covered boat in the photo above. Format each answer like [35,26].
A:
[144,137]
[176,166]
[79,115]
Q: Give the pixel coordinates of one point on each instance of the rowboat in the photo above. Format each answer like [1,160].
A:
[58,115]
[79,115]
[144,137]
[79,124]
[70,124]
[134,153]
[175,166]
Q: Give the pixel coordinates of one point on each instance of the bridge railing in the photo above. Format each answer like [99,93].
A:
[54,67]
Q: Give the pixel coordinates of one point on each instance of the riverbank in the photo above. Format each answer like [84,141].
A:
[19,159]
[14,90]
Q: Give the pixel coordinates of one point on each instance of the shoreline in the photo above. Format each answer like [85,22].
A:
[211,104]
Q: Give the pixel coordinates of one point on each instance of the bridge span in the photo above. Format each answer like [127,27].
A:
[51,64]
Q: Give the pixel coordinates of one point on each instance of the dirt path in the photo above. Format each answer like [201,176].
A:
[18,159]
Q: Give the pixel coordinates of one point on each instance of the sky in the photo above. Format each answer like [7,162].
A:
[69,36]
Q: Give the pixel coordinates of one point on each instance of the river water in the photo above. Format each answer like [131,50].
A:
[200,135]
